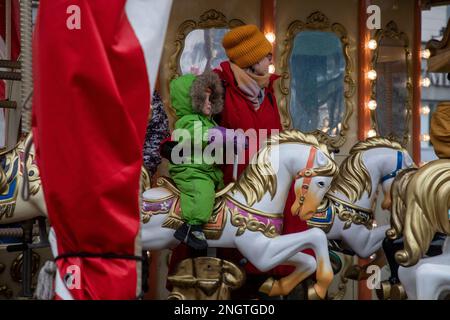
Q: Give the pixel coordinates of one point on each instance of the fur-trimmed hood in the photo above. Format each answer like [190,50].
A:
[188,93]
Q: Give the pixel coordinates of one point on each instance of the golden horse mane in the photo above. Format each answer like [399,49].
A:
[354,178]
[427,200]
[259,176]
[398,196]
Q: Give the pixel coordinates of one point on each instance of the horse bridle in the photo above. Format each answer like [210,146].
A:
[307,174]
[394,173]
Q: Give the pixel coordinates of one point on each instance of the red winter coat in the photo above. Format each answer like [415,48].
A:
[239,113]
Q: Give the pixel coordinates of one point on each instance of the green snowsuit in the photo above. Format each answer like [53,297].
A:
[197,182]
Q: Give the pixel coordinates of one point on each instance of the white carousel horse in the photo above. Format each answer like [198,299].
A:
[346,213]
[13,207]
[429,279]
[419,211]
[249,214]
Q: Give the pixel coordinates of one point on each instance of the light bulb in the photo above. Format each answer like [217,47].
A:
[270,36]
[371,133]
[372,44]
[372,104]
[425,110]
[271,69]
[425,53]
[425,137]
[372,74]
[426,82]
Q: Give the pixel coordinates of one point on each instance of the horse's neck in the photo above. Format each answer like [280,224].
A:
[281,161]
[267,204]
[373,165]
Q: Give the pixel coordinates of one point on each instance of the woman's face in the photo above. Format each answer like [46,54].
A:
[262,67]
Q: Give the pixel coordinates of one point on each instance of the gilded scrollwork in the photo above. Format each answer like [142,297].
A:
[350,213]
[317,21]
[250,223]
[17,265]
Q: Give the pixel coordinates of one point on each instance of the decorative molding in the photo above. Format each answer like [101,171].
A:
[317,21]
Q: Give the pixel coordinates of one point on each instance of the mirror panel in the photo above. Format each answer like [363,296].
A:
[392,89]
[203,50]
[316,79]
[317,68]
[198,44]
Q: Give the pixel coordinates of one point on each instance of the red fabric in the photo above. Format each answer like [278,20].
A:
[91,98]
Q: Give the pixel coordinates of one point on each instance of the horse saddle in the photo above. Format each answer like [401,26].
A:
[171,206]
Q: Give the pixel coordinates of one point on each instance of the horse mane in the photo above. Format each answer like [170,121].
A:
[354,178]
[259,176]
[398,196]
[427,204]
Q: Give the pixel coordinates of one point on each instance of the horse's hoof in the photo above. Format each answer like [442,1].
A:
[398,292]
[384,292]
[312,293]
[267,286]
[353,273]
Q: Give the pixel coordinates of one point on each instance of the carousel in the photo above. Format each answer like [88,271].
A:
[316,192]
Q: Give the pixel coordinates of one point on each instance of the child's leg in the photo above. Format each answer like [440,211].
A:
[197,200]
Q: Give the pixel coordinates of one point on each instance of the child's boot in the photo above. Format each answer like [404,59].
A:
[197,239]
[182,233]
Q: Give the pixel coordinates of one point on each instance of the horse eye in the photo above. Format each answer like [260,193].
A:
[321,184]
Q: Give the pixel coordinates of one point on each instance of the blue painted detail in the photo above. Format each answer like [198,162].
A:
[326,219]
[11,191]
[393,174]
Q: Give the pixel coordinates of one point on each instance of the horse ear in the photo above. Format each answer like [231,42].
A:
[408,160]
[321,159]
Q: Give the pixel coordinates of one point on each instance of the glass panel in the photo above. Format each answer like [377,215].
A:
[202,50]
[391,89]
[317,68]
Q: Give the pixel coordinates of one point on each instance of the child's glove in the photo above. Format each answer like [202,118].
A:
[220,135]
[166,147]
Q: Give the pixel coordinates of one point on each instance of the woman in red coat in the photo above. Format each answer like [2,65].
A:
[250,103]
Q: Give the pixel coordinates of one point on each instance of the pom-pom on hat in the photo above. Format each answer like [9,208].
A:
[246,45]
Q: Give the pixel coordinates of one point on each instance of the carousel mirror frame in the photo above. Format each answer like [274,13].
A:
[208,20]
[317,21]
[391,31]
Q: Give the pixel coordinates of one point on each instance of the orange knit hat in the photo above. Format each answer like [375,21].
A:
[246,45]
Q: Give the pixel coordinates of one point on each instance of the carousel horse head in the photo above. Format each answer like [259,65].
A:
[371,162]
[284,160]
[427,203]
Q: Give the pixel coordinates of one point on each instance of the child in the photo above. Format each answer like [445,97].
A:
[195,99]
